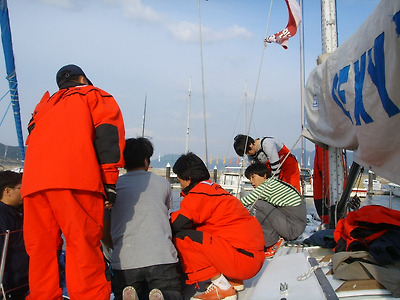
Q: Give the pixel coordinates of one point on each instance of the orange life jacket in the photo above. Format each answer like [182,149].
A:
[361,227]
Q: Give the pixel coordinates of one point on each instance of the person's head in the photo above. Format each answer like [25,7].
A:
[10,184]
[71,75]
[257,173]
[190,170]
[243,144]
[137,153]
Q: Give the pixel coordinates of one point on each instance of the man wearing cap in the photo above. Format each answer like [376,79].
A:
[75,145]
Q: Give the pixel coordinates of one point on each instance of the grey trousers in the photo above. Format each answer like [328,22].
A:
[288,222]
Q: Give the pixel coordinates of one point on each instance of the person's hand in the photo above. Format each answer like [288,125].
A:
[111,195]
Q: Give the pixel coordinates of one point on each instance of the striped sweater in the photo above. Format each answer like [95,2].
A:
[274,191]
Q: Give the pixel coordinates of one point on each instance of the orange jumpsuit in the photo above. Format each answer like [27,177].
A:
[321,183]
[75,147]
[214,233]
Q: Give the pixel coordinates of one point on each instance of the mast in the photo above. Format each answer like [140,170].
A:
[329,44]
[11,75]
[202,83]
[144,114]
[245,107]
[188,115]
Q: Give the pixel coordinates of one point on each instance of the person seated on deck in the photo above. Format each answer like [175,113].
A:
[277,205]
[143,255]
[216,237]
[15,280]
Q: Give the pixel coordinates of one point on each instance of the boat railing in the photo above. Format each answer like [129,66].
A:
[3,262]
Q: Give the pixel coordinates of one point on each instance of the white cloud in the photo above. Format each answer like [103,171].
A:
[189,32]
[135,9]
[69,4]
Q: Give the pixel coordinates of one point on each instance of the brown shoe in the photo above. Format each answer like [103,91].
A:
[237,284]
[271,250]
[215,293]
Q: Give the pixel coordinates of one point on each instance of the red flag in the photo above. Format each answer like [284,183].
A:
[283,36]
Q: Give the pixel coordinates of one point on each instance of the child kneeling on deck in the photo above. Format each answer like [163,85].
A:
[277,206]
[216,237]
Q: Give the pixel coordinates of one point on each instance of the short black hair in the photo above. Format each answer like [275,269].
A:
[190,167]
[136,151]
[257,168]
[9,179]
[242,144]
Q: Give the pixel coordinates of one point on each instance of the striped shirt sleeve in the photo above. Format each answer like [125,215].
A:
[274,191]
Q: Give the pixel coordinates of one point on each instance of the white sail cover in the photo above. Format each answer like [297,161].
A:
[352,100]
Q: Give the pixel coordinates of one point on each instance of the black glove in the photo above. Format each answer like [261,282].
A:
[111,193]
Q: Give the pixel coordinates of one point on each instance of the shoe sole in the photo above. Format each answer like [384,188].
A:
[238,288]
[129,293]
[233,297]
[156,294]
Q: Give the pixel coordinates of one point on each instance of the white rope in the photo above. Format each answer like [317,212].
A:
[311,271]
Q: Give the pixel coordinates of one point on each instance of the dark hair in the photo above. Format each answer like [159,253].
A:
[242,144]
[136,151]
[68,76]
[9,179]
[257,168]
[190,167]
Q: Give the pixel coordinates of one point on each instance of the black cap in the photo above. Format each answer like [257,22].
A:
[64,75]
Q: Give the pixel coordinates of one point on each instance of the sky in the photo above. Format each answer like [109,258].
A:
[151,49]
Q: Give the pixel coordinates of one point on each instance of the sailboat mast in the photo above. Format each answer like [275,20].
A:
[11,74]
[302,84]
[329,44]
[188,115]
[245,107]
[144,114]
[202,83]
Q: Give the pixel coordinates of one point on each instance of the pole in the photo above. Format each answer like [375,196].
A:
[11,74]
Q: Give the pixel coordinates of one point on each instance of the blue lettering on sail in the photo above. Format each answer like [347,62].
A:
[359,76]
[377,73]
[396,19]
[337,82]
[376,70]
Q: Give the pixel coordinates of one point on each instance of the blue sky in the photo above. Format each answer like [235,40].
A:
[133,48]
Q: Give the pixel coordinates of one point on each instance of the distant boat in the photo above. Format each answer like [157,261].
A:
[395,188]
[234,182]
[376,184]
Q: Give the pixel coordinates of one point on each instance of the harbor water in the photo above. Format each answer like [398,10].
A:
[386,200]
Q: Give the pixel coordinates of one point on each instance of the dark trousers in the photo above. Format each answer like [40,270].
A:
[164,277]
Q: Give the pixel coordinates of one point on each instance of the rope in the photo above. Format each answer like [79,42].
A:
[8,108]
[259,70]
[311,270]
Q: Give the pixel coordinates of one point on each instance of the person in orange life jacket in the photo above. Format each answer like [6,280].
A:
[273,153]
[79,130]
[15,280]
[321,193]
[216,237]
[321,183]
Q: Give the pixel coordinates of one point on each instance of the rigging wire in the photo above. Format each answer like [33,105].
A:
[259,71]
[202,83]
[7,109]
